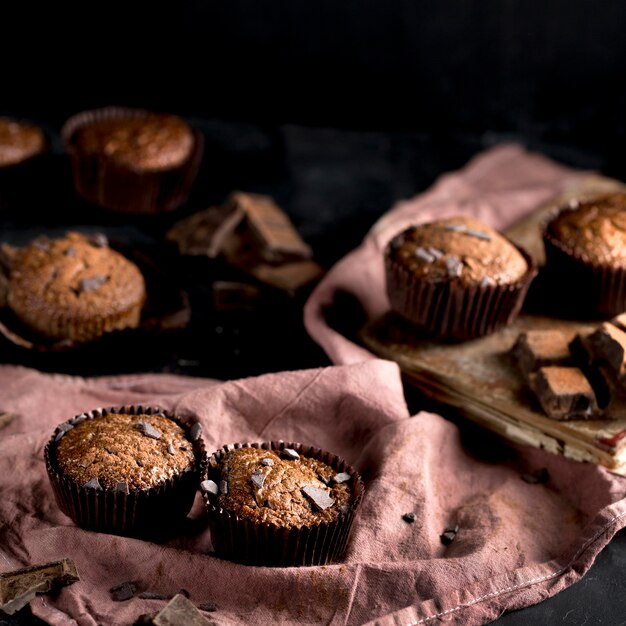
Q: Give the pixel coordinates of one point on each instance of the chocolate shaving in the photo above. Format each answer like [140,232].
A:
[290,454]
[179,611]
[536,478]
[257,479]
[341,477]
[122,487]
[267,462]
[223,487]
[195,431]
[122,592]
[319,497]
[453,266]
[148,430]
[209,487]
[424,255]
[91,284]
[19,587]
[409,518]
[170,449]
[94,483]
[435,252]
[456,228]
[479,234]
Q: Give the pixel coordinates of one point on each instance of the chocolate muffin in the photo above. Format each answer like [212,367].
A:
[280,504]
[123,470]
[132,160]
[586,255]
[75,288]
[456,278]
[19,142]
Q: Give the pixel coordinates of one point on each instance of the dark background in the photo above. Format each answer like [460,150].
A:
[338,108]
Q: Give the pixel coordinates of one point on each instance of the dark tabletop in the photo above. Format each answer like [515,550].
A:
[334,184]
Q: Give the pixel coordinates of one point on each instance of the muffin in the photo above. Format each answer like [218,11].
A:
[131,160]
[280,504]
[19,142]
[75,288]
[456,278]
[127,471]
[585,246]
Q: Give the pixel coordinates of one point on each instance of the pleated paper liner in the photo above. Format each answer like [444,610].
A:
[449,310]
[119,188]
[166,310]
[148,512]
[267,544]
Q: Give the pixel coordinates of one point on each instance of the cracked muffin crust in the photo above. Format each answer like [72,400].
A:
[75,288]
[19,141]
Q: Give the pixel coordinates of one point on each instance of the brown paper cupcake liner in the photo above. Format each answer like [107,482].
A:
[149,511]
[448,310]
[123,189]
[267,544]
[577,284]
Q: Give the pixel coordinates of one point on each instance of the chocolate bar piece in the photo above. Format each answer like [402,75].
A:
[610,392]
[564,393]
[180,611]
[206,232]
[19,587]
[607,345]
[538,348]
[271,227]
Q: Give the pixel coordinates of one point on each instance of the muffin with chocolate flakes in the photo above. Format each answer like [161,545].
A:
[456,278]
[75,288]
[280,504]
[132,160]
[585,246]
[125,470]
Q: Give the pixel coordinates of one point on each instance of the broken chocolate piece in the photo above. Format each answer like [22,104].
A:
[170,449]
[195,431]
[607,345]
[267,462]
[179,611]
[536,478]
[209,607]
[153,595]
[122,592]
[148,430]
[341,477]
[424,255]
[448,535]
[319,497]
[122,487]
[257,479]
[91,284]
[62,429]
[290,454]
[435,252]
[223,487]
[272,227]
[610,391]
[564,393]
[456,228]
[93,484]
[453,266]
[409,518]
[209,487]
[19,587]
[538,348]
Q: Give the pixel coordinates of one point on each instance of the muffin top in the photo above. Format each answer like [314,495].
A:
[19,141]
[77,273]
[148,143]
[281,488]
[124,452]
[594,230]
[458,248]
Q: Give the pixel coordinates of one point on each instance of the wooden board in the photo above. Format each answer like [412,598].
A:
[477,379]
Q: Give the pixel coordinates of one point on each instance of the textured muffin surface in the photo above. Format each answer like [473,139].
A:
[75,288]
[122,448]
[458,248]
[263,487]
[594,230]
[149,143]
[19,141]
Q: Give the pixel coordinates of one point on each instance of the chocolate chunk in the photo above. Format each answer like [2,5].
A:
[91,284]
[62,429]
[607,345]
[290,454]
[424,255]
[267,462]
[122,487]
[479,234]
[448,535]
[183,448]
[257,479]
[539,477]
[409,518]
[534,349]
[341,477]
[139,462]
[170,449]
[435,252]
[122,592]
[195,431]
[564,393]
[319,497]
[325,480]
[179,611]
[209,607]
[209,487]
[148,430]
[93,484]
[223,487]
[153,595]
[19,587]
[456,228]
[98,240]
[453,266]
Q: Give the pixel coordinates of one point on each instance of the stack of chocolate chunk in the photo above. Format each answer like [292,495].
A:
[255,236]
[576,377]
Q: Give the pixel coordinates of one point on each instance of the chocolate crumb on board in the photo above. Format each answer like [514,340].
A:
[19,587]
[124,591]
[409,518]
[448,535]
[536,478]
